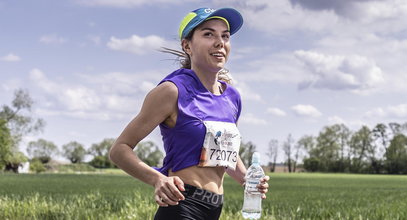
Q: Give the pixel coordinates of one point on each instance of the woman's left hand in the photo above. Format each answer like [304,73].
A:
[263,186]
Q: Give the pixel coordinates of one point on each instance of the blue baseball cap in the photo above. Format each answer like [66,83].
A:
[233,19]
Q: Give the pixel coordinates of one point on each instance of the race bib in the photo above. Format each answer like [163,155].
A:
[221,145]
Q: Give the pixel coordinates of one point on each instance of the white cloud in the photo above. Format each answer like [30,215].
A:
[125,3]
[252,119]
[276,111]
[138,45]
[278,67]
[52,39]
[10,58]
[81,98]
[72,98]
[123,84]
[41,81]
[387,51]
[353,72]
[147,86]
[247,93]
[306,111]
[109,96]
[394,111]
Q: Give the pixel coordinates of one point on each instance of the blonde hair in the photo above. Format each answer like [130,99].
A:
[183,58]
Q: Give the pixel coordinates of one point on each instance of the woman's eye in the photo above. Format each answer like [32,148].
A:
[226,36]
[209,34]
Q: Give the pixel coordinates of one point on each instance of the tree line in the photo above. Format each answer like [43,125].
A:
[377,150]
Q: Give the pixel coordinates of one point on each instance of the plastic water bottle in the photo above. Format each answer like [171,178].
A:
[252,197]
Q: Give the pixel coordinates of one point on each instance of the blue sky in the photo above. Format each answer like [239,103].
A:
[299,65]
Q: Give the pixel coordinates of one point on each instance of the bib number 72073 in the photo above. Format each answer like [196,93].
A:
[223,155]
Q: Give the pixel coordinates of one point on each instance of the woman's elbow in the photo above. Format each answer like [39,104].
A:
[113,153]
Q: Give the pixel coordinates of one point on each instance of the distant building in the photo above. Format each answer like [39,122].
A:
[24,168]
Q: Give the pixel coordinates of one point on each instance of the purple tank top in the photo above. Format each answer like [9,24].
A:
[183,142]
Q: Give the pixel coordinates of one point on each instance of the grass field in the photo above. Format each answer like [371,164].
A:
[116,196]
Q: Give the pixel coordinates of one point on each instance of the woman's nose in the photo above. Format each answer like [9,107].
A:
[219,42]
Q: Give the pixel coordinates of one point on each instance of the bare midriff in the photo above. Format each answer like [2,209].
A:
[208,178]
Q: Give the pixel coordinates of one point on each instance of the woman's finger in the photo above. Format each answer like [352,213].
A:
[168,197]
[159,201]
[265,179]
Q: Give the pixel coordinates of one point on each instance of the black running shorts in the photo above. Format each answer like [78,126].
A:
[199,204]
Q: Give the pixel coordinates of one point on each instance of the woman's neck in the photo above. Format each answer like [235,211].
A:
[209,79]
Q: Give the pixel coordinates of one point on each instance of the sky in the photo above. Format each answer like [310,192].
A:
[298,65]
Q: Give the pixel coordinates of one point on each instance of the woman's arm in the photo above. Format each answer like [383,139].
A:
[159,105]
[239,173]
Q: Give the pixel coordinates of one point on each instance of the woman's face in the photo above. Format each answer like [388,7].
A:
[210,46]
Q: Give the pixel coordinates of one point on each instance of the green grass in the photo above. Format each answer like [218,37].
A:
[115,196]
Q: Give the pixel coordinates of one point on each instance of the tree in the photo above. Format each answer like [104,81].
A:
[5,144]
[102,148]
[19,123]
[297,155]
[14,124]
[396,155]
[381,135]
[273,153]
[288,148]
[14,161]
[74,151]
[307,142]
[395,128]
[246,151]
[381,140]
[362,147]
[344,134]
[327,149]
[149,153]
[100,152]
[42,149]
[312,164]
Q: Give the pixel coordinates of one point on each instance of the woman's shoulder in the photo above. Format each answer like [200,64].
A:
[180,74]
[167,87]
[183,79]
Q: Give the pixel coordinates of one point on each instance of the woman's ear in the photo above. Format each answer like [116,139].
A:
[185,46]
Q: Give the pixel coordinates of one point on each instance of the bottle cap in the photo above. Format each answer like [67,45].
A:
[256,157]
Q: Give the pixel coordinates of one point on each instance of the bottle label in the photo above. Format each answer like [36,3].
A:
[251,185]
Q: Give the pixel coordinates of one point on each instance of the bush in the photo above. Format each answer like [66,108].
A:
[101,162]
[37,166]
[312,164]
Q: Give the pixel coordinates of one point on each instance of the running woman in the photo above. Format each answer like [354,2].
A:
[197,111]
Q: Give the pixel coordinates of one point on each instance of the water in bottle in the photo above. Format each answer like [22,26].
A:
[252,197]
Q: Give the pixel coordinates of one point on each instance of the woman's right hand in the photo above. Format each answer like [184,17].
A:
[168,191]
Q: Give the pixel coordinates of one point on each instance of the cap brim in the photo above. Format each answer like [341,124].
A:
[234,18]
